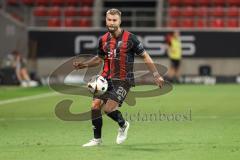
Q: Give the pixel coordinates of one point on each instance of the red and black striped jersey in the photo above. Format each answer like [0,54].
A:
[118,55]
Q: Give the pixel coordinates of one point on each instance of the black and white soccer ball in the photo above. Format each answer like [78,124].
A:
[97,85]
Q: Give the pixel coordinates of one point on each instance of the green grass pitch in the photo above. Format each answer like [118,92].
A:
[29,129]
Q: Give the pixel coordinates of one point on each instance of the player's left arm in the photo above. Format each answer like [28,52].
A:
[152,68]
[139,50]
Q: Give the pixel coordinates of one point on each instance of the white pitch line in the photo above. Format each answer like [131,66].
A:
[14,100]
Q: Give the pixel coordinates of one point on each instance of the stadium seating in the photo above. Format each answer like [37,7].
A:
[201,23]
[232,12]
[174,2]
[57,2]
[28,2]
[42,2]
[84,22]
[54,11]
[70,11]
[13,2]
[219,2]
[234,2]
[216,23]
[72,2]
[178,13]
[188,11]
[40,11]
[54,22]
[217,11]
[85,11]
[187,23]
[189,2]
[174,11]
[172,23]
[69,22]
[232,23]
[203,13]
[204,2]
[87,2]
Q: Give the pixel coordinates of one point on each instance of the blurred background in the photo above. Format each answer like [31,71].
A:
[39,35]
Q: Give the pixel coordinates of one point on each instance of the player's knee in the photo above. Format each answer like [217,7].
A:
[109,109]
[96,104]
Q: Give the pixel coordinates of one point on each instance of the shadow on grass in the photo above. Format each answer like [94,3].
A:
[149,147]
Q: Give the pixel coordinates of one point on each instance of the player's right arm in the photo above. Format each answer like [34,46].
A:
[95,61]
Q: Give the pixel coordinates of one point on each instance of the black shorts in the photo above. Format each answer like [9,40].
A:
[117,91]
[175,63]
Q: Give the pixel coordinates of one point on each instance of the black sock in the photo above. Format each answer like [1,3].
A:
[117,116]
[97,123]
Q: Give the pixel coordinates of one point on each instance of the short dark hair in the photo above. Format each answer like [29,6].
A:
[114,11]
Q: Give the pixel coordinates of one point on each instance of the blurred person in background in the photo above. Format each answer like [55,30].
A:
[20,66]
[174,50]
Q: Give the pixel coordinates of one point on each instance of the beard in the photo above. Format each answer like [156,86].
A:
[112,29]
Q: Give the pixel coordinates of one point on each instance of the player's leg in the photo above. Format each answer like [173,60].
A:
[116,96]
[171,72]
[97,117]
[25,74]
[96,122]
[178,69]
[111,109]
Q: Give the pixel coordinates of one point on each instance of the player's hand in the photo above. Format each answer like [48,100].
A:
[78,65]
[159,80]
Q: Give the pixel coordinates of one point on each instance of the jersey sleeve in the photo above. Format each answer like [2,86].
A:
[100,51]
[137,45]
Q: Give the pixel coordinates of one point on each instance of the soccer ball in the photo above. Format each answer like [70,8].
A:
[97,85]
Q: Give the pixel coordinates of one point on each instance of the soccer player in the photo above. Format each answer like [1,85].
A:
[174,49]
[116,49]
